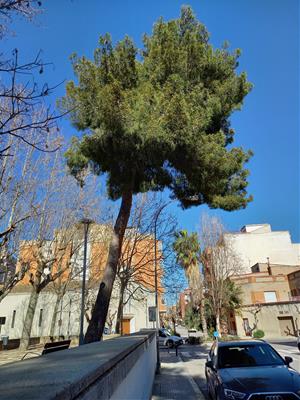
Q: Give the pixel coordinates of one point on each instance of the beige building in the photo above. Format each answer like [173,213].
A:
[294,282]
[258,243]
[267,301]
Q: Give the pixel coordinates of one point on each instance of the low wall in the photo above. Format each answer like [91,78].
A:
[120,368]
[268,317]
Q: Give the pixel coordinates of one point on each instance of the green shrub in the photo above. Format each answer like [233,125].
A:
[258,334]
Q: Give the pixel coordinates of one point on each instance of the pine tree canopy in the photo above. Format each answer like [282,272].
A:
[160,117]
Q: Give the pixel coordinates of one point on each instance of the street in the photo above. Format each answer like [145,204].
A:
[194,358]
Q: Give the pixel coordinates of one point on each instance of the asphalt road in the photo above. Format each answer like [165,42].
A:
[195,357]
[288,348]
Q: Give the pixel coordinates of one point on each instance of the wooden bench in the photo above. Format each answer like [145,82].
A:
[56,346]
[51,347]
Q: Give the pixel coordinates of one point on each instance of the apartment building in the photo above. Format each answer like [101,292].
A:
[267,301]
[259,243]
[139,253]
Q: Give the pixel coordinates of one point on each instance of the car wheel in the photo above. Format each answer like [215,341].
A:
[217,396]
[170,344]
[208,390]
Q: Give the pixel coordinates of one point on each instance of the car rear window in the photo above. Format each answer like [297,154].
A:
[248,356]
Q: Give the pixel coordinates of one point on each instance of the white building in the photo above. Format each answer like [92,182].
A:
[14,307]
[258,243]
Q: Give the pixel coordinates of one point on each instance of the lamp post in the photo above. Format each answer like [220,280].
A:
[156,284]
[86,224]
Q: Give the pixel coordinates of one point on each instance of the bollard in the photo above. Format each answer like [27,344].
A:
[5,342]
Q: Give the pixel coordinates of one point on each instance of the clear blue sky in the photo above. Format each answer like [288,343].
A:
[267,31]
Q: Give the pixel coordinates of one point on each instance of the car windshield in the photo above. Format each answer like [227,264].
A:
[166,332]
[250,355]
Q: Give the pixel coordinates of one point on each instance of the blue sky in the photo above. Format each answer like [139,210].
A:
[267,31]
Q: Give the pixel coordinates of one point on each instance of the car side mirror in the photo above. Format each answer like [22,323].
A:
[288,360]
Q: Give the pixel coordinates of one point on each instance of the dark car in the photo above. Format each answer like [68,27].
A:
[253,370]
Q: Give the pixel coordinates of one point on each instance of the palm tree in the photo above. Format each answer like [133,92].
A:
[187,249]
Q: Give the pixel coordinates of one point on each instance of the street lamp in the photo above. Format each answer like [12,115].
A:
[86,224]
[156,284]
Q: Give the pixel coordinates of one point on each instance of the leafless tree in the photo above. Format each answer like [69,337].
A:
[172,317]
[52,235]
[21,96]
[20,184]
[10,9]
[254,311]
[98,237]
[219,261]
[136,268]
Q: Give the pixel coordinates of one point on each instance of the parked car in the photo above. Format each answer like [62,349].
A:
[242,370]
[166,339]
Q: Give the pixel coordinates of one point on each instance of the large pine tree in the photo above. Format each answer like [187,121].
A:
[155,119]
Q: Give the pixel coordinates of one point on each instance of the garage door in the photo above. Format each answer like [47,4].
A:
[287,327]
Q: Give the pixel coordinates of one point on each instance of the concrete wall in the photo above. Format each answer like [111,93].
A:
[254,246]
[121,368]
[268,318]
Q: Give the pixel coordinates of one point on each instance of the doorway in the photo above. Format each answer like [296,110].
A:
[126,326]
[287,326]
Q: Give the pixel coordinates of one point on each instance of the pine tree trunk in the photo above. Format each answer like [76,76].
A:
[24,341]
[97,322]
[54,315]
[120,311]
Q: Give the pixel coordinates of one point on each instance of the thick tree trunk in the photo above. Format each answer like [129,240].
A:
[97,322]
[120,311]
[203,319]
[54,315]
[174,325]
[24,342]
[218,325]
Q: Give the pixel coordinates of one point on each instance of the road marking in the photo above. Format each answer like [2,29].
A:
[285,351]
[192,355]
[186,353]
[194,385]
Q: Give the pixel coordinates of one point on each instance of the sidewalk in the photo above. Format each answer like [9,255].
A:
[174,381]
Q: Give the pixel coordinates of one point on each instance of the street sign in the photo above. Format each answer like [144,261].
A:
[152,314]
[216,334]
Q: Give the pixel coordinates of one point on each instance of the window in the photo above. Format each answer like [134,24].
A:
[248,356]
[41,317]
[13,319]
[270,297]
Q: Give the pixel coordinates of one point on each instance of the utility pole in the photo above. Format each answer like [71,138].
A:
[86,223]
[156,284]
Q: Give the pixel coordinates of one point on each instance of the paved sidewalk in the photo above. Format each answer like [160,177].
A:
[174,381]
